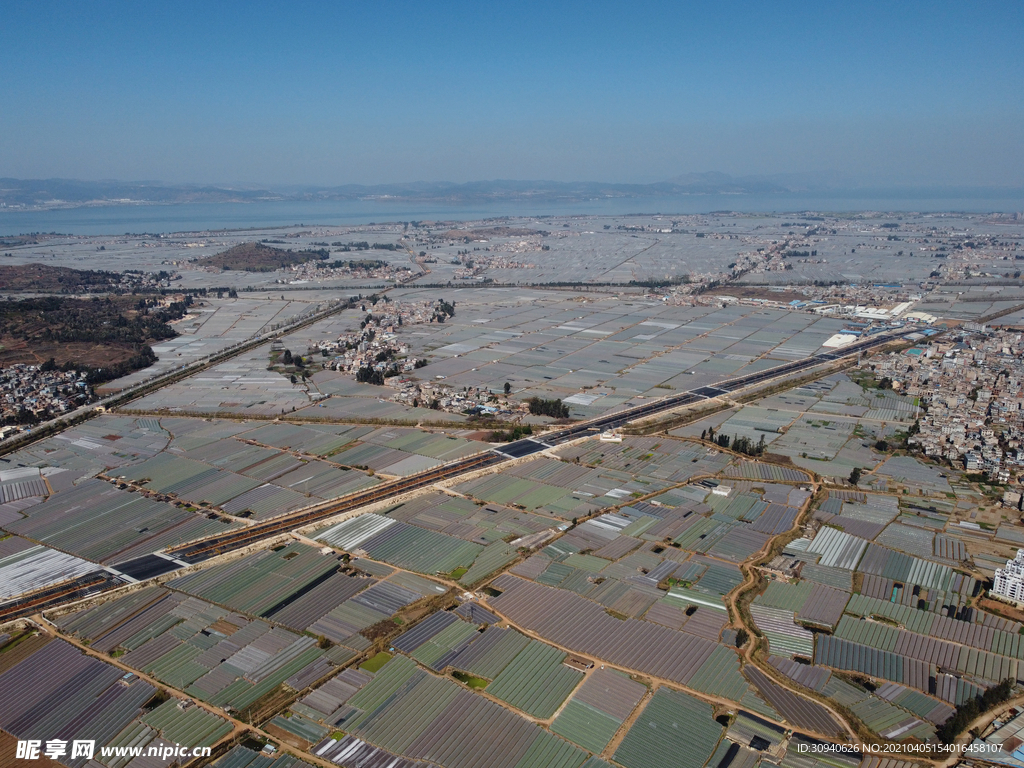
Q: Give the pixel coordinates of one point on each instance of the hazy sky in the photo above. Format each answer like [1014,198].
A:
[371,92]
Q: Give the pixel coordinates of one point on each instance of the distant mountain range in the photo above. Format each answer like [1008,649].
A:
[68,193]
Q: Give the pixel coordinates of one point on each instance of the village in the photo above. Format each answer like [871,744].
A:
[31,393]
[971,385]
[357,269]
[375,355]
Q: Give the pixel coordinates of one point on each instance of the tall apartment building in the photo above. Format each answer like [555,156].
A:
[1009,580]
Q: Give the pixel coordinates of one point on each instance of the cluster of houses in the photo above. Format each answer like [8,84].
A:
[30,394]
[971,383]
[376,349]
[470,401]
[376,345]
[473,266]
[318,271]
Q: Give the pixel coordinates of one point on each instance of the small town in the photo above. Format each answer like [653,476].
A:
[375,345]
[318,271]
[969,384]
[473,266]
[473,401]
[32,393]
[375,355]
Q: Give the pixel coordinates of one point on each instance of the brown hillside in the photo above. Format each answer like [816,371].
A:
[47,279]
[257,257]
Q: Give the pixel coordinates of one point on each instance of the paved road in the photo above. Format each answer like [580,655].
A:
[199,551]
[527,446]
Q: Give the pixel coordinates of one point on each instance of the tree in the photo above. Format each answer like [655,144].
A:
[511,435]
[703,434]
[855,474]
[742,444]
[741,637]
[508,388]
[552,408]
[367,375]
[967,712]
[286,358]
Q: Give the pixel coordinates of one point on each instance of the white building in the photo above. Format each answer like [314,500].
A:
[1009,580]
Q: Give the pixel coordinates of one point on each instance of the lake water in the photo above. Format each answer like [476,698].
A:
[119,219]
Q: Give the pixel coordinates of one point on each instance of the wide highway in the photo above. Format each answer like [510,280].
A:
[158,563]
[225,542]
[618,419]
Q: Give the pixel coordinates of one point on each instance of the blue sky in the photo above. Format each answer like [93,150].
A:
[907,93]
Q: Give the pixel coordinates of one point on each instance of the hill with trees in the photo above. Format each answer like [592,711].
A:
[106,337]
[47,279]
[257,257]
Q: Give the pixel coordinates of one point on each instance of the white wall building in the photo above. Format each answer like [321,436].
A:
[1009,580]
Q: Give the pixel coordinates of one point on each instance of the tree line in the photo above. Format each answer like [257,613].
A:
[739,444]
